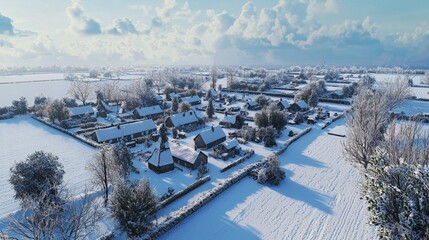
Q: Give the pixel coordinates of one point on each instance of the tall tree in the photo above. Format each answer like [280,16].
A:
[57,110]
[39,176]
[366,121]
[100,166]
[213,75]
[174,105]
[210,109]
[81,90]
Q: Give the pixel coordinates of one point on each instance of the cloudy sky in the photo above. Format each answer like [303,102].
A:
[239,32]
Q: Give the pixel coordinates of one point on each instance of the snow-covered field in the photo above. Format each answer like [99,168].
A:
[22,136]
[318,200]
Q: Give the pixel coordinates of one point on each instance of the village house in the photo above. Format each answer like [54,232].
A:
[173,95]
[299,106]
[209,138]
[252,105]
[187,157]
[283,104]
[182,119]
[228,148]
[127,131]
[161,160]
[193,100]
[151,112]
[81,111]
[231,121]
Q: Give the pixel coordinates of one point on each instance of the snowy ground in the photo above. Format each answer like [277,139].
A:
[22,136]
[318,200]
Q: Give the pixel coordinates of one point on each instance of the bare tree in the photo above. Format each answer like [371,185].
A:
[158,79]
[100,166]
[213,75]
[230,78]
[80,217]
[81,90]
[397,91]
[408,142]
[73,219]
[366,123]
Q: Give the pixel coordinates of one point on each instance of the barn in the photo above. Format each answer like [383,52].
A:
[127,131]
[187,157]
[161,160]
[209,138]
[252,105]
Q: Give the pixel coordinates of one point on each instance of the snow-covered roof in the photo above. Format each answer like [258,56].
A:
[146,111]
[158,97]
[191,99]
[213,92]
[252,103]
[109,107]
[174,95]
[161,157]
[285,103]
[184,152]
[229,119]
[230,144]
[302,104]
[212,134]
[119,131]
[180,119]
[81,110]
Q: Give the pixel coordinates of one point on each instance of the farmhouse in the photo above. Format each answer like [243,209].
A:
[161,160]
[283,104]
[127,131]
[228,148]
[187,156]
[148,112]
[79,112]
[209,138]
[252,105]
[194,100]
[182,119]
[299,106]
[174,95]
[231,121]
[102,106]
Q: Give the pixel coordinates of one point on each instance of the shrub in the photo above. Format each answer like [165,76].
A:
[134,206]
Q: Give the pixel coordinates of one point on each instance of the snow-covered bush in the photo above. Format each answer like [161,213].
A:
[184,107]
[268,136]
[203,169]
[41,173]
[270,171]
[298,118]
[134,206]
[57,110]
[19,106]
[397,197]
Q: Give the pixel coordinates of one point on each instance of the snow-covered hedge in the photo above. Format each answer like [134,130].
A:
[238,161]
[183,192]
[202,200]
[87,141]
[333,120]
[291,140]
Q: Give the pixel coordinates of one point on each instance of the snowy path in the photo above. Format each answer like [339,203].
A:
[22,136]
[318,200]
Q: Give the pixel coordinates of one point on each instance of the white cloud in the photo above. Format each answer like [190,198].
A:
[6,26]
[123,26]
[79,22]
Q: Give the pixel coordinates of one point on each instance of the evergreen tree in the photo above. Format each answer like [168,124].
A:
[134,207]
[163,132]
[313,99]
[261,119]
[174,105]
[184,107]
[271,172]
[397,197]
[210,109]
[57,110]
[122,160]
[40,176]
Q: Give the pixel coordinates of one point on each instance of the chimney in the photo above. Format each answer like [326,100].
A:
[212,129]
[183,114]
[119,126]
[190,113]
